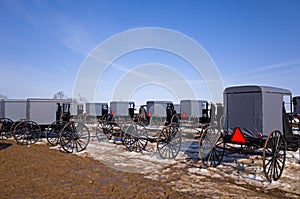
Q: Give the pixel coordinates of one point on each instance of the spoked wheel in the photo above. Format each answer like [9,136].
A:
[211,147]
[104,131]
[27,132]
[274,154]
[5,128]
[16,123]
[75,136]
[136,137]
[169,142]
[53,132]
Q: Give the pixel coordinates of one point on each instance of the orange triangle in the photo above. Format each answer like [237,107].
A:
[149,114]
[184,115]
[238,137]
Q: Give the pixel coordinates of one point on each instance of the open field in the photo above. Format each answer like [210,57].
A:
[109,170]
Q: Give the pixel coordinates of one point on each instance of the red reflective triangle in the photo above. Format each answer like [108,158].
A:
[149,114]
[184,115]
[238,137]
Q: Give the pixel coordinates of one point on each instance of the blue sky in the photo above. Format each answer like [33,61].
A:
[44,43]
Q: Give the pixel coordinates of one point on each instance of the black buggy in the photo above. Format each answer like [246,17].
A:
[120,126]
[133,130]
[73,136]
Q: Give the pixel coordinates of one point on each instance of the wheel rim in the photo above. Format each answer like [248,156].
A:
[75,136]
[169,142]
[274,155]
[211,147]
[5,130]
[27,133]
[136,137]
[53,132]
[103,131]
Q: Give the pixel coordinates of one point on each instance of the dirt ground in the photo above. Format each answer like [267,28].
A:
[39,172]
[42,172]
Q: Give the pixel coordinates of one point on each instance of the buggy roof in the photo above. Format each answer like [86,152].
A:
[159,102]
[194,101]
[255,88]
[122,102]
[13,100]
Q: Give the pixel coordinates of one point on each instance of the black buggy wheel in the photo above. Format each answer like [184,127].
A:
[53,132]
[5,128]
[136,137]
[16,123]
[211,147]
[104,131]
[169,142]
[75,136]
[27,132]
[274,154]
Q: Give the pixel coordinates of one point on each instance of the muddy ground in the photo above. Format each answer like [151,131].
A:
[42,172]
[39,172]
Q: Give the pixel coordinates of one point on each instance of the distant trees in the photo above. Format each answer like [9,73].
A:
[60,95]
[3,96]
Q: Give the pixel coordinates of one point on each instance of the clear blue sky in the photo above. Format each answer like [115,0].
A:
[43,43]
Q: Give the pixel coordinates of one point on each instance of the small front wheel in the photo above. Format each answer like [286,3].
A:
[75,137]
[169,142]
[53,132]
[5,128]
[211,147]
[104,131]
[136,137]
[27,133]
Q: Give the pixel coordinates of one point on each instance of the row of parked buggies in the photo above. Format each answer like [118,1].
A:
[253,118]
[72,135]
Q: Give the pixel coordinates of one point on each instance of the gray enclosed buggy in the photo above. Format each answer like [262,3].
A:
[255,117]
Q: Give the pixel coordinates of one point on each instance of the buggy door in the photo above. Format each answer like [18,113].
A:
[243,110]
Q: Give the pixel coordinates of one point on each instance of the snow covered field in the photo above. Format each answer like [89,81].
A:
[238,173]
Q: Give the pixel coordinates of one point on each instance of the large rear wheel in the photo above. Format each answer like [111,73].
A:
[274,154]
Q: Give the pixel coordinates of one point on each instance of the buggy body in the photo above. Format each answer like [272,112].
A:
[254,111]
[14,109]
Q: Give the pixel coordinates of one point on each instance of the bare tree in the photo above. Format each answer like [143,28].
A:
[60,95]
[3,96]
[82,100]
